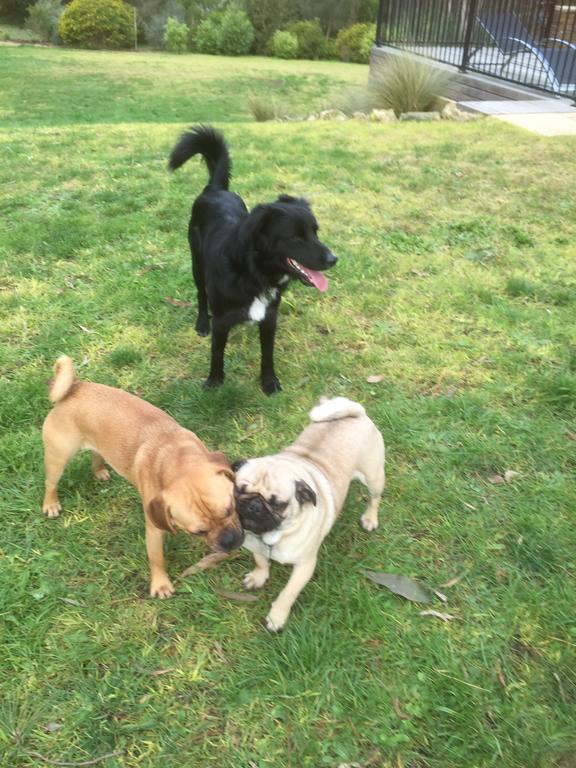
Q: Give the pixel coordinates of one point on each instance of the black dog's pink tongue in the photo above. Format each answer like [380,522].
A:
[319,279]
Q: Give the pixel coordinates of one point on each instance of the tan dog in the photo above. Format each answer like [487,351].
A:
[182,484]
[288,502]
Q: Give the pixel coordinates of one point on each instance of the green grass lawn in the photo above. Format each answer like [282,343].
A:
[456,283]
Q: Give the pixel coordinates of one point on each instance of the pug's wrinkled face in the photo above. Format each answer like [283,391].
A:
[267,495]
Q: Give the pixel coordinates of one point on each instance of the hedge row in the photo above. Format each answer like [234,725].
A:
[113,24]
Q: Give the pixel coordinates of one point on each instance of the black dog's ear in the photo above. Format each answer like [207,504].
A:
[252,230]
[238,463]
[294,200]
[304,493]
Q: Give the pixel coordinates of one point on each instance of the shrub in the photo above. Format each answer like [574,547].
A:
[207,38]
[350,45]
[267,16]
[154,24]
[405,84]
[43,19]
[366,44]
[176,36]
[97,24]
[284,45]
[262,108]
[311,39]
[236,33]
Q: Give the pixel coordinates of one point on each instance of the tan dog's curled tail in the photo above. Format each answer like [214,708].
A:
[335,409]
[64,378]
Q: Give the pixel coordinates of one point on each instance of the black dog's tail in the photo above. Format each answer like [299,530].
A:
[208,142]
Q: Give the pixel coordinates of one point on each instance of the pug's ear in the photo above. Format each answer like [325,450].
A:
[238,463]
[304,493]
[159,514]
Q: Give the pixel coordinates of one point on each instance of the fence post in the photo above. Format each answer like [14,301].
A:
[470,19]
[379,22]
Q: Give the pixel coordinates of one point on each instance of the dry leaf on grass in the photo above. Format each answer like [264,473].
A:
[376,379]
[569,435]
[177,302]
[509,475]
[452,582]
[208,561]
[398,709]
[400,585]
[159,672]
[440,595]
[438,615]
[242,597]
[495,479]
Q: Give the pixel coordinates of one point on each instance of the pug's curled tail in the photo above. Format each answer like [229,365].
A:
[64,378]
[335,409]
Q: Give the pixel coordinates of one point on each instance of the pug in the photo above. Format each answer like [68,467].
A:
[288,502]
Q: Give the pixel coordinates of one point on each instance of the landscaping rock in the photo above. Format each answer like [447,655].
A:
[382,116]
[332,114]
[450,111]
[421,116]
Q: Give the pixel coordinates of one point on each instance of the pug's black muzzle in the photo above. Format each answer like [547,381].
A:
[256,514]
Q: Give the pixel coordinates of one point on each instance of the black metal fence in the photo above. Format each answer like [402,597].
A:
[530,42]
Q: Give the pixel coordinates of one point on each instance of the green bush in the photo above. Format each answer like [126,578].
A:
[97,24]
[229,33]
[267,16]
[350,43]
[284,45]
[311,39]
[207,37]
[405,84]
[176,36]
[43,19]
[262,107]
[153,21]
[236,32]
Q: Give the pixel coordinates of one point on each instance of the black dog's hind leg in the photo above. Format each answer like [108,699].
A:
[203,320]
[267,330]
[220,331]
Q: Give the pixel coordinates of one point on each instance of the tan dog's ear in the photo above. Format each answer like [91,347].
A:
[224,467]
[159,513]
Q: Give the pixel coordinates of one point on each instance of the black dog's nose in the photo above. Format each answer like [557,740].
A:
[330,259]
[230,539]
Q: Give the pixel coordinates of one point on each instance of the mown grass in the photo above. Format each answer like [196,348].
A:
[456,283]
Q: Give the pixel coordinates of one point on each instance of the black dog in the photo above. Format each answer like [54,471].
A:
[242,261]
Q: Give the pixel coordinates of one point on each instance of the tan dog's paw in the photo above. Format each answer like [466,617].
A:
[276,619]
[102,474]
[256,578]
[52,509]
[162,588]
[369,522]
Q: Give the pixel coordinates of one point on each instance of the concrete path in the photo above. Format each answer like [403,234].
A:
[547,117]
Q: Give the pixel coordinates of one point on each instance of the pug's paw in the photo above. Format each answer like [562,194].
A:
[256,578]
[369,522]
[276,619]
[161,588]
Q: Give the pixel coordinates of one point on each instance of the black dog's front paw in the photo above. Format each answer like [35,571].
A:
[271,385]
[212,382]
[203,326]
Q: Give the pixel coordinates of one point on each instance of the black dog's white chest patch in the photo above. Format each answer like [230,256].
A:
[257,310]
